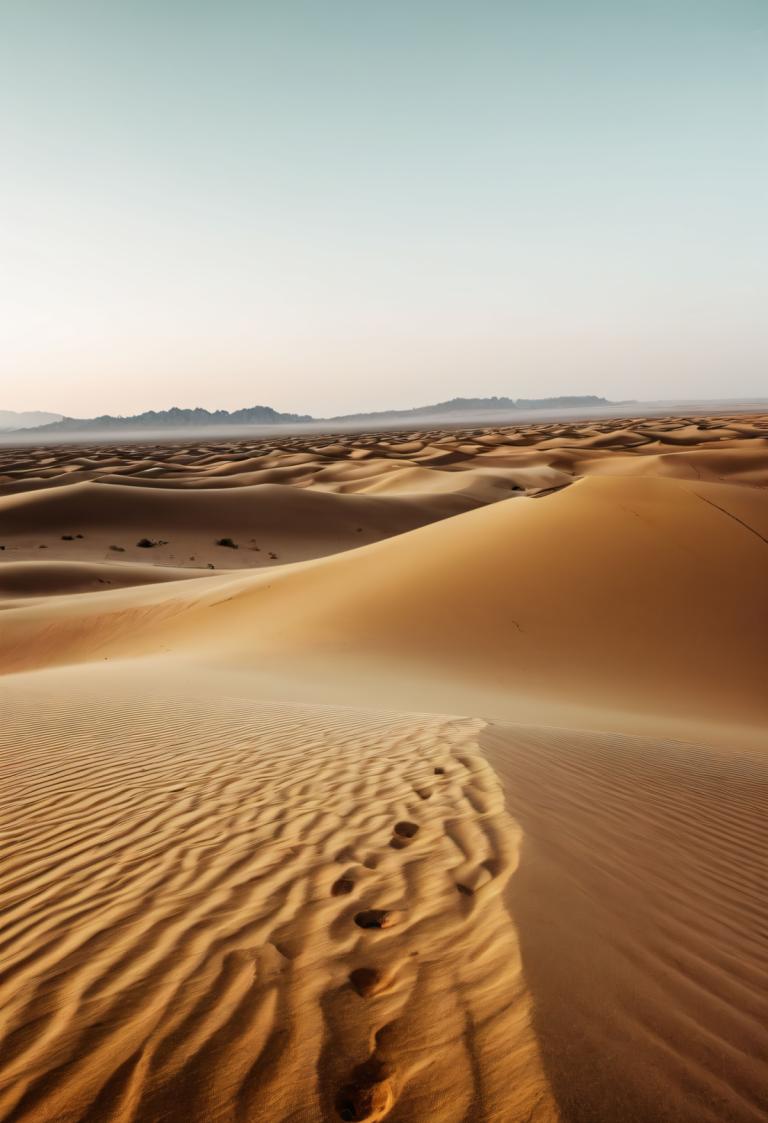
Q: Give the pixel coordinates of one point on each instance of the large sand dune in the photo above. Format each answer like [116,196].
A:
[251,868]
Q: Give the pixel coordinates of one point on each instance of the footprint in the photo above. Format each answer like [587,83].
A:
[369,1095]
[423,793]
[405,829]
[341,886]
[403,834]
[439,772]
[367,981]
[377,918]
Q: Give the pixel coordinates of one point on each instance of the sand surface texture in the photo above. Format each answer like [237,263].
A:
[405,777]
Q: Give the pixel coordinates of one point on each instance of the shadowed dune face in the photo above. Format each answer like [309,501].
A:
[204,529]
[268,849]
[641,911]
[33,579]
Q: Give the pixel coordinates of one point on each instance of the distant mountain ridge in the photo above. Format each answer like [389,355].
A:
[176,418]
[10,420]
[479,405]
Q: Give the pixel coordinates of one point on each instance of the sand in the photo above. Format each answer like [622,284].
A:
[447,802]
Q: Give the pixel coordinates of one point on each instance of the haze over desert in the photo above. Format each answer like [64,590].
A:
[398,776]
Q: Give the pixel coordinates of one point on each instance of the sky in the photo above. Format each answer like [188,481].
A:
[329,207]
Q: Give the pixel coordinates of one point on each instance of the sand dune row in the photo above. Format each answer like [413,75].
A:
[260,503]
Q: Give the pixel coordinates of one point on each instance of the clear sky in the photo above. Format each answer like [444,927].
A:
[330,205]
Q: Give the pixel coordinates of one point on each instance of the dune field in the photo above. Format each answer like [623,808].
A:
[387,776]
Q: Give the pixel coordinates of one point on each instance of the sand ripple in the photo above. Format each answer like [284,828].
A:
[179,893]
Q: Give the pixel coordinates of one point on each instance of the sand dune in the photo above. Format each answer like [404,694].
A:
[453,809]
[574,599]
[263,525]
[37,579]
[641,912]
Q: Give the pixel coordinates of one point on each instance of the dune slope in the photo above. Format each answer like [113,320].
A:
[619,595]
[640,904]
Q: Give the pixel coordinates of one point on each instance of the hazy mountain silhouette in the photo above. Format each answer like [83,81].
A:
[176,418]
[10,420]
[477,405]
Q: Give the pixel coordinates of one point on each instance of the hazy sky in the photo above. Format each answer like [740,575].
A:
[339,204]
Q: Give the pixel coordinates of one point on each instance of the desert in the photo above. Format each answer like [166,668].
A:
[410,775]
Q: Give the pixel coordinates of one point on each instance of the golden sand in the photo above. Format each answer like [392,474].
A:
[441,796]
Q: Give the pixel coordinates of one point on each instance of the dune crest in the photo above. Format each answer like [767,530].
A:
[489,604]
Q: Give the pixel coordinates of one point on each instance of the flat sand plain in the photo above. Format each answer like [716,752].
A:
[387,776]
